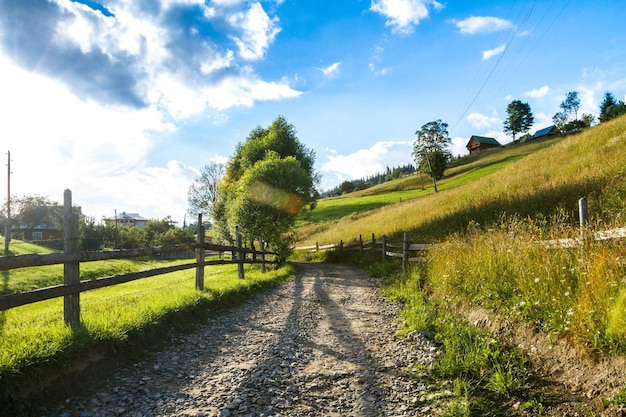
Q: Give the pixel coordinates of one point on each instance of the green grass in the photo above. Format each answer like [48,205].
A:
[35,334]
[533,180]
[460,172]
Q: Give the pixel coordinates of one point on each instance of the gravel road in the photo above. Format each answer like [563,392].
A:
[322,344]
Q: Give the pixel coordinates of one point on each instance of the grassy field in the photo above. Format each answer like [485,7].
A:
[35,334]
[542,181]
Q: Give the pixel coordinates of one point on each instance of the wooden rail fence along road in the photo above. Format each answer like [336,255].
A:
[71,258]
[382,245]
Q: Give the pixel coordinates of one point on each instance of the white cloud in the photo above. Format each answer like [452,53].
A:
[364,162]
[403,15]
[481,121]
[538,92]
[458,147]
[482,24]
[259,31]
[332,70]
[58,142]
[488,54]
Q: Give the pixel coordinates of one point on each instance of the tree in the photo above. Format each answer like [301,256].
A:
[437,161]
[610,108]
[519,118]
[571,104]
[268,181]
[345,188]
[431,138]
[203,191]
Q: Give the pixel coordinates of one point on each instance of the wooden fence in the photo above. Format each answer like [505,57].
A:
[382,246]
[71,258]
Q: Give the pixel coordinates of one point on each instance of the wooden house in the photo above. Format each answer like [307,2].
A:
[545,133]
[38,232]
[479,143]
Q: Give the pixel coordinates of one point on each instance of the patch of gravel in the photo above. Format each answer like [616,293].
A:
[320,345]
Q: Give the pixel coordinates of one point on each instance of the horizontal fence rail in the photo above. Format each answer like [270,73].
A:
[71,259]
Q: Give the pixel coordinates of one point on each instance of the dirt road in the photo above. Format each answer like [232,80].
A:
[320,345]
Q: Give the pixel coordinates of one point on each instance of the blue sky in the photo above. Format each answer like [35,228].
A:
[123,101]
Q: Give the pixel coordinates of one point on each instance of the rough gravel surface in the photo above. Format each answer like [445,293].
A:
[322,344]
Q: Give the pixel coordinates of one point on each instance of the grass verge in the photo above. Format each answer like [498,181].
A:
[35,341]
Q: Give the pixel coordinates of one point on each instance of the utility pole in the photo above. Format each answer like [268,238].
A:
[7,229]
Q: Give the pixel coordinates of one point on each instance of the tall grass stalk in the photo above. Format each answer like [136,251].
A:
[578,293]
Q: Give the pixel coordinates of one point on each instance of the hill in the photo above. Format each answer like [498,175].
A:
[536,179]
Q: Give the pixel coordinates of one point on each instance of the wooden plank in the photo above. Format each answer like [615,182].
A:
[420,246]
[71,270]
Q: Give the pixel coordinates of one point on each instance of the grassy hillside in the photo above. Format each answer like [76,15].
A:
[542,180]
[459,172]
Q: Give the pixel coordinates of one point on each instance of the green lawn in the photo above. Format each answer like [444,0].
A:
[35,334]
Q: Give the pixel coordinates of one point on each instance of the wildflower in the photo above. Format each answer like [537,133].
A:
[536,280]
[566,293]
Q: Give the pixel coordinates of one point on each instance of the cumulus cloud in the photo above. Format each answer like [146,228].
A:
[259,31]
[403,15]
[488,54]
[88,92]
[481,121]
[129,55]
[538,92]
[365,162]
[482,24]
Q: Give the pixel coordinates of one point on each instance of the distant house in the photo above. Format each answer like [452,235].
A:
[126,220]
[545,133]
[479,143]
[38,232]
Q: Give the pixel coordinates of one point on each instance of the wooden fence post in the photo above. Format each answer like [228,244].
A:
[384,247]
[317,247]
[71,270]
[405,251]
[341,244]
[360,243]
[583,215]
[373,242]
[240,254]
[262,248]
[200,255]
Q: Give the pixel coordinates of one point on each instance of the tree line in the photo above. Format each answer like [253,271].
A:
[390,174]
[35,210]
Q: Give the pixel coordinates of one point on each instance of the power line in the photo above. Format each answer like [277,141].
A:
[496,65]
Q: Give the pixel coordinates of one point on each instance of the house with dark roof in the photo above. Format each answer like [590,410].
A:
[479,143]
[545,133]
[127,219]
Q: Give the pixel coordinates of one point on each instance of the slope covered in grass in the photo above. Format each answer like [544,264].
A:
[546,182]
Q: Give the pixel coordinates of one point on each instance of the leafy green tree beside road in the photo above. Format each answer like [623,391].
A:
[269,180]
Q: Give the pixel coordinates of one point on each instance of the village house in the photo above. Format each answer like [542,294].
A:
[479,143]
[545,133]
[37,232]
[126,220]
